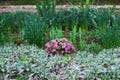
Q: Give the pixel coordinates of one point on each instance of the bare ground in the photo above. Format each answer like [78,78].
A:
[31,8]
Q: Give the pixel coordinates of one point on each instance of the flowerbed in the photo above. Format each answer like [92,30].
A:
[82,31]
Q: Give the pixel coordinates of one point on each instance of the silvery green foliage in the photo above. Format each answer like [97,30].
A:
[35,64]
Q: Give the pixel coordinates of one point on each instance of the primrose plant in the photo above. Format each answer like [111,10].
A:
[60,46]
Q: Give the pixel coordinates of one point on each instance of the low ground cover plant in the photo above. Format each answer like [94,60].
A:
[30,62]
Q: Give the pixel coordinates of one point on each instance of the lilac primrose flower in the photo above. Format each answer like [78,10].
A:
[60,46]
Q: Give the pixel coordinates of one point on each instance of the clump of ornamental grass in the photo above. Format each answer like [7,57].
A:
[60,46]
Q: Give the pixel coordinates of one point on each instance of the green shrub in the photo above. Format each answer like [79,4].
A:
[6,27]
[34,30]
[10,22]
[20,18]
[83,18]
[1,31]
[66,18]
[74,35]
[10,27]
[110,36]
[82,45]
[61,18]
[94,48]
[103,17]
[47,11]
[55,33]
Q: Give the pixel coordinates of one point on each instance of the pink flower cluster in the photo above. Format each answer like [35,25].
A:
[60,46]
